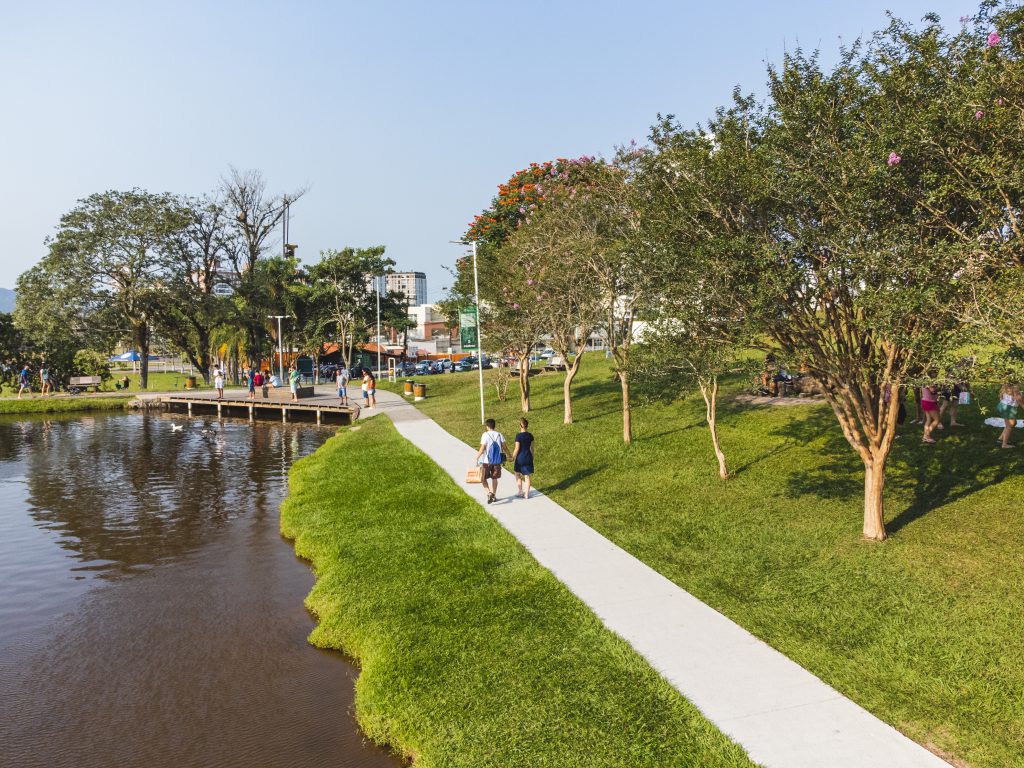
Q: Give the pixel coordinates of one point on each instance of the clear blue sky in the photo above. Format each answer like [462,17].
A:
[401,117]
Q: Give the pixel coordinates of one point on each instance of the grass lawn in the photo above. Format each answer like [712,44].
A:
[159,381]
[924,629]
[472,654]
[37,404]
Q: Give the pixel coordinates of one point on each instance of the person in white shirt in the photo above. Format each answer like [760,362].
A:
[218,383]
[343,377]
[491,456]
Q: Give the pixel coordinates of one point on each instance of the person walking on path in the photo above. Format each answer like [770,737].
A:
[218,383]
[44,380]
[293,381]
[930,410]
[1007,407]
[342,377]
[491,456]
[251,380]
[522,459]
[23,381]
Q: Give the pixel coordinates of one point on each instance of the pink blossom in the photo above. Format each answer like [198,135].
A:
[978,115]
[529,282]
[894,159]
[993,39]
[999,101]
[515,306]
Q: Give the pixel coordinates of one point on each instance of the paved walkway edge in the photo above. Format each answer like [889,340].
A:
[784,716]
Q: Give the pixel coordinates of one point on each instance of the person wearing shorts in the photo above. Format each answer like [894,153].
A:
[1007,407]
[293,381]
[522,459]
[23,382]
[491,456]
[342,378]
[930,411]
[251,378]
[369,389]
[218,383]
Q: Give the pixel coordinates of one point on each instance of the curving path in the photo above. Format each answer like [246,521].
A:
[784,716]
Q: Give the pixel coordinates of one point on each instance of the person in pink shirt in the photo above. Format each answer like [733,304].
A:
[930,411]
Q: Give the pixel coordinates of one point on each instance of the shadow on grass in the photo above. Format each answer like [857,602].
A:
[574,478]
[960,464]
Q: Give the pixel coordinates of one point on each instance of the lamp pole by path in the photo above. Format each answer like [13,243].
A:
[280,347]
[479,330]
[377,281]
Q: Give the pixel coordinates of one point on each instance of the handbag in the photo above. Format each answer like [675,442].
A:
[965,398]
[475,474]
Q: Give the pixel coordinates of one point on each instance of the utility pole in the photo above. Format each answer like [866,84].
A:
[377,285]
[280,347]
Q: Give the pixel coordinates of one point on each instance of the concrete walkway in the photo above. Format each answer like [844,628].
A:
[779,712]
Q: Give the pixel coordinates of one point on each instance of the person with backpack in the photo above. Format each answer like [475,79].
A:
[491,456]
[23,381]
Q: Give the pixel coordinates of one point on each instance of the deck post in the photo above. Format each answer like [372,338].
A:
[189,407]
[318,413]
[251,409]
[284,415]
[218,410]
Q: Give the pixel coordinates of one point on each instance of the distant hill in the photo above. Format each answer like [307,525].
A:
[6,300]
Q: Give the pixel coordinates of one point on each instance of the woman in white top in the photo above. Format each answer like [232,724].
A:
[218,383]
[491,456]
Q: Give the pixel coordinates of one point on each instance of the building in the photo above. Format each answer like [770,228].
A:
[412,285]
[430,322]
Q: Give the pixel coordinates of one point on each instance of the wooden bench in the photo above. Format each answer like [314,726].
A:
[84,382]
[284,393]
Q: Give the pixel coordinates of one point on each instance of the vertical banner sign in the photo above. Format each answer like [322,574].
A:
[468,331]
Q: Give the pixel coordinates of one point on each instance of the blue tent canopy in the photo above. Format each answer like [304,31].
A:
[131,357]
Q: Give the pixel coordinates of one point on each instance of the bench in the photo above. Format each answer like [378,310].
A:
[84,382]
[556,363]
[284,393]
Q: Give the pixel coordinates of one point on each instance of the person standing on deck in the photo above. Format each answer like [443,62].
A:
[342,378]
[218,383]
[294,377]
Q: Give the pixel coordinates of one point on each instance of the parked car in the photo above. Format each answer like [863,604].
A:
[423,369]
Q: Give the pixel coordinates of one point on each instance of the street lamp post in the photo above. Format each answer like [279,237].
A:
[479,334]
[377,282]
[280,347]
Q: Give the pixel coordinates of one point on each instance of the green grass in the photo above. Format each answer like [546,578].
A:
[159,381]
[924,629]
[472,654]
[38,404]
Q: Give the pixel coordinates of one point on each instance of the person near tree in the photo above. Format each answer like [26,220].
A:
[294,378]
[23,381]
[522,459]
[930,411]
[1008,407]
[491,456]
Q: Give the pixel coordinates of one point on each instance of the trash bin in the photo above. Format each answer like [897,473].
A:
[190,382]
[407,387]
[419,391]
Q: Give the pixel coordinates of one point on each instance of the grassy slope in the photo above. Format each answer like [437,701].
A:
[38,404]
[924,630]
[472,654]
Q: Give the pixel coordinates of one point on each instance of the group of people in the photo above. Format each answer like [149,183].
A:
[935,401]
[493,454]
[25,381]
[369,386]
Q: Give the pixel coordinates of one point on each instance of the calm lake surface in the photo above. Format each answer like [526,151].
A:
[150,612]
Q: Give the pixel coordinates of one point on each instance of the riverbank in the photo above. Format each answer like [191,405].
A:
[471,653]
[39,404]
[921,630]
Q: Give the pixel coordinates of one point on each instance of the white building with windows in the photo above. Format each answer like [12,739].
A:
[412,285]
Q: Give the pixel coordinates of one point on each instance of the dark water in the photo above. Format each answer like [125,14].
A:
[150,613]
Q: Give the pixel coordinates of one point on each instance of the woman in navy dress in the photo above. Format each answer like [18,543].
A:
[522,459]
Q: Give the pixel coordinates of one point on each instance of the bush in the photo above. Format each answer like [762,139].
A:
[89,362]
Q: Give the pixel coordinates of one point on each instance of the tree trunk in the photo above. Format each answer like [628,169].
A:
[709,391]
[140,334]
[570,374]
[524,383]
[627,415]
[874,506]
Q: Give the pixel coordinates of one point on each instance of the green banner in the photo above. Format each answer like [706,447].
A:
[469,337]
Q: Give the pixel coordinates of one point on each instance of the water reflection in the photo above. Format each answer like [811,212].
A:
[150,614]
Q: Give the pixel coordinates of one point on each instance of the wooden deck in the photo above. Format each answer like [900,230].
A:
[321,408]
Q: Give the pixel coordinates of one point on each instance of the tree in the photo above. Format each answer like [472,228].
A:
[254,215]
[341,283]
[809,211]
[108,253]
[186,310]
